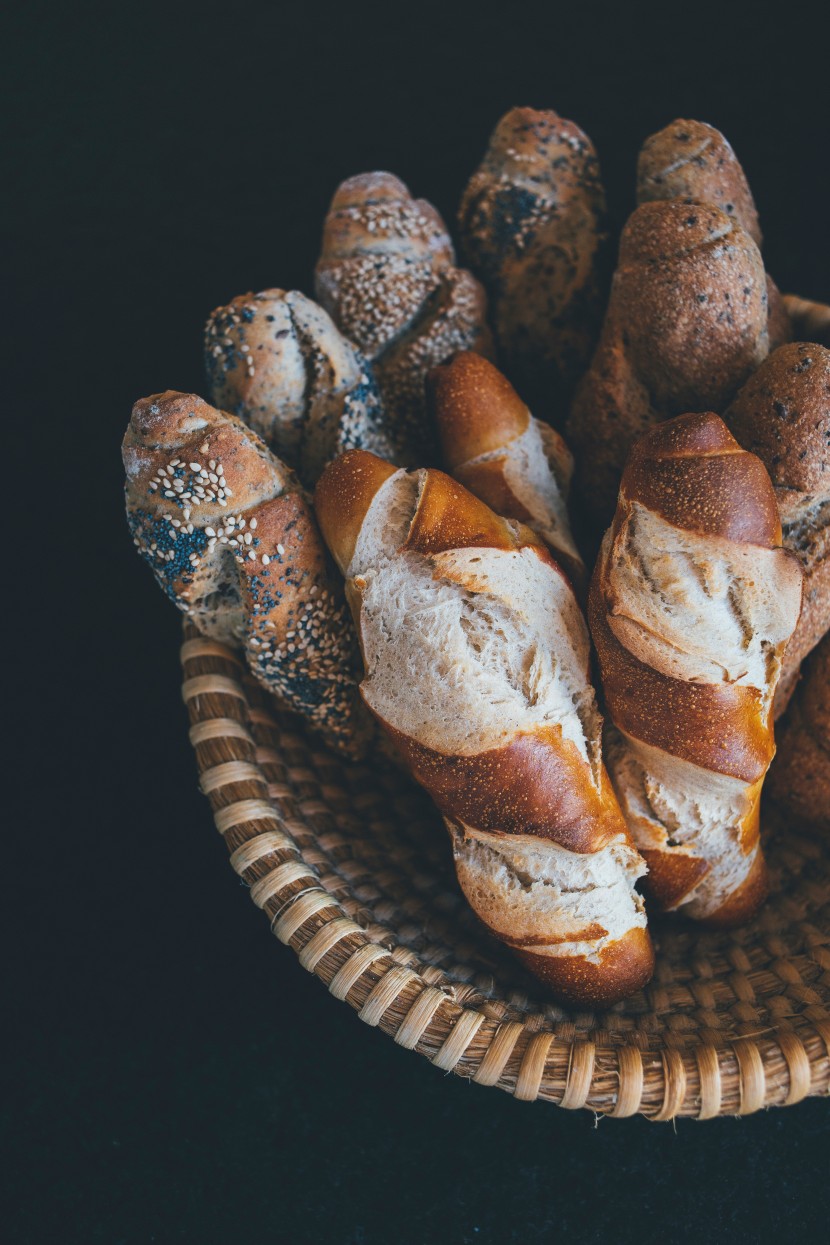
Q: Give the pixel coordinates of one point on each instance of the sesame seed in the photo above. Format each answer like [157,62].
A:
[265,559]
[280,550]
[253,522]
[195,466]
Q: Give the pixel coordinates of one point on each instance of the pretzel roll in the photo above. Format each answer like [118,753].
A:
[686,325]
[532,221]
[782,414]
[476,666]
[690,160]
[691,606]
[279,362]
[234,543]
[387,275]
[493,446]
[799,777]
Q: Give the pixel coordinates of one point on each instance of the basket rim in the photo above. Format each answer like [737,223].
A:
[392,989]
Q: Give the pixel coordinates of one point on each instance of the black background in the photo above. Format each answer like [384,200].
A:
[175,1075]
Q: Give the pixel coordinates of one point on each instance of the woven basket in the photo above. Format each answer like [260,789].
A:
[352,867]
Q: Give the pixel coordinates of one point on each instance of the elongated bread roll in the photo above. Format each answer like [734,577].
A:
[520,467]
[692,161]
[691,606]
[686,325]
[234,543]
[533,228]
[476,665]
[278,361]
[782,414]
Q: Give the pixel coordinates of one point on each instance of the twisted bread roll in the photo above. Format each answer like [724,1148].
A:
[691,606]
[278,361]
[690,160]
[799,777]
[782,414]
[476,666]
[686,325]
[514,463]
[234,543]
[532,222]
[387,275]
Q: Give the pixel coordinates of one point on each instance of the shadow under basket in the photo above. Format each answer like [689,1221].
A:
[352,866]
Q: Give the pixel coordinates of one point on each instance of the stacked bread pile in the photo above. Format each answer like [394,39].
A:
[368,459]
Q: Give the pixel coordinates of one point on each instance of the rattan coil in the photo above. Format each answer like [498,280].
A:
[352,868]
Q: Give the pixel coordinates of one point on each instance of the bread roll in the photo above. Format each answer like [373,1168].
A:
[476,666]
[387,275]
[692,603]
[520,467]
[233,542]
[782,414]
[686,325]
[690,160]
[533,229]
[278,361]
[799,777]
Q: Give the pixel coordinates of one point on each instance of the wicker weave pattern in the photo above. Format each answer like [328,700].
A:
[351,866]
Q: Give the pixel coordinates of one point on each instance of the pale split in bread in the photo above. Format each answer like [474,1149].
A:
[799,777]
[533,229]
[686,325]
[693,161]
[782,414]
[233,541]
[387,275]
[279,362]
[520,467]
[476,665]
[692,603]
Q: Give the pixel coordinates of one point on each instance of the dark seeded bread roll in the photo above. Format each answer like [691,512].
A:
[532,221]
[782,414]
[799,777]
[686,325]
[233,542]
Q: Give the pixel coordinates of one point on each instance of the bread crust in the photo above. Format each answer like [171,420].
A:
[387,276]
[686,325]
[492,445]
[799,778]
[680,735]
[533,228]
[782,414]
[232,540]
[535,824]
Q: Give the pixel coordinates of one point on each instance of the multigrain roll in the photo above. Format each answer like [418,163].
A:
[279,362]
[692,161]
[388,277]
[782,414]
[233,542]
[533,229]
[692,603]
[520,467]
[476,667]
[685,327]
[799,777]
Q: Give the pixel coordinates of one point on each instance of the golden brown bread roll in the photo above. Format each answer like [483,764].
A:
[387,275]
[532,221]
[520,467]
[810,320]
[234,543]
[782,414]
[799,777]
[691,605]
[476,666]
[278,361]
[686,325]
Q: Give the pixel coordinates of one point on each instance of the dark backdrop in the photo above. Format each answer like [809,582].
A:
[176,1076]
